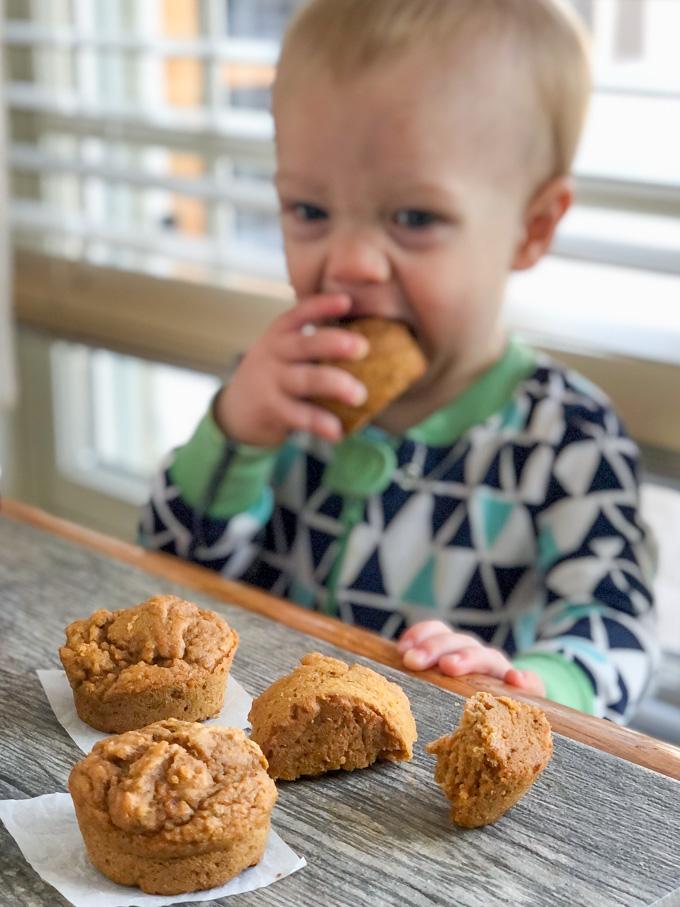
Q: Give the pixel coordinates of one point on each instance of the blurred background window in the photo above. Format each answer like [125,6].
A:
[141,137]
[132,414]
[628,168]
[140,134]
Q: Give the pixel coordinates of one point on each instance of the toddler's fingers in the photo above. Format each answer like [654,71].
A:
[322,381]
[430,650]
[474,660]
[300,416]
[525,680]
[315,308]
[420,632]
[324,343]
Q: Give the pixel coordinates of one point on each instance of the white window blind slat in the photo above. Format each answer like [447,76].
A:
[252,126]
[241,256]
[259,196]
[236,50]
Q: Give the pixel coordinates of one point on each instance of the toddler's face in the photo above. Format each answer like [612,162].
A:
[396,188]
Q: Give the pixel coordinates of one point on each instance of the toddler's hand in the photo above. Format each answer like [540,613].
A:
[433,643]
[267,397]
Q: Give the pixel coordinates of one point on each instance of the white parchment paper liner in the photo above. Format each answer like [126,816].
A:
[234,713]
[46,830]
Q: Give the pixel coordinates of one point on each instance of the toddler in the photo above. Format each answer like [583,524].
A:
[488,519]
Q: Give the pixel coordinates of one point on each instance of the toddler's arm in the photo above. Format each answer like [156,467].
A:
[213,497]
[596,631]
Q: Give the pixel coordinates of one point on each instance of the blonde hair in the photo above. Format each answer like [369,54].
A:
[349,37]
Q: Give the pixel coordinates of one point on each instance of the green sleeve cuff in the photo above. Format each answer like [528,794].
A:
[243,483]
[564,681]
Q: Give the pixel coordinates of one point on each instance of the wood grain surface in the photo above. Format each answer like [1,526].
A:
[635,747]
[595,830]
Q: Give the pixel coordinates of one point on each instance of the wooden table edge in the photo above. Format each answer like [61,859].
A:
[603,735]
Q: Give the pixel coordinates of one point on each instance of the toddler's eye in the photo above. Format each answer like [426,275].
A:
[415,219]
[306,212]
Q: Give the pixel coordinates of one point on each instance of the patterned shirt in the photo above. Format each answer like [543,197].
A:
[512,514]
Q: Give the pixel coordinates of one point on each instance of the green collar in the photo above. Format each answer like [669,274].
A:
[481,400]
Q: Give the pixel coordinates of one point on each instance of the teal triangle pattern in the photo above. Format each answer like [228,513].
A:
[548,552]
[287,456]
[421,590]
[495,515]
[512,416]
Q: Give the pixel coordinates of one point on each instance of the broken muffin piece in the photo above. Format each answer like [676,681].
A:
[393,363]
[487,765]
[326,715]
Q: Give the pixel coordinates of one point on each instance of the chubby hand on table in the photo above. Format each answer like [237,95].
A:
[433,643]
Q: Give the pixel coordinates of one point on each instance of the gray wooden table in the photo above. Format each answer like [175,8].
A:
[595,830]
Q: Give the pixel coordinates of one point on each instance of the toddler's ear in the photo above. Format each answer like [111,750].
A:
[543,214]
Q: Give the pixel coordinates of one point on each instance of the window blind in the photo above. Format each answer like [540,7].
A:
[140,135]
[628,167]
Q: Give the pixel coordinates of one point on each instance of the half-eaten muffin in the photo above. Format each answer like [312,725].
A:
[491,760]
[326,715]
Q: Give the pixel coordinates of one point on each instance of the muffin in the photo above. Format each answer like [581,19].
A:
[165,658]
[175,807]
[326,715]
[394,362]
[499,749]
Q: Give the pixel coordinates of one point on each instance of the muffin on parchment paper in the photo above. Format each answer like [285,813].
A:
[165,658]
[175,807]
[326,715]
[487,765]
[393,363]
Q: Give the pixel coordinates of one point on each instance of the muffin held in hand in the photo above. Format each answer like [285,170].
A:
[393,363]
[174,807]
[326,715]
[499,749]
[165,658]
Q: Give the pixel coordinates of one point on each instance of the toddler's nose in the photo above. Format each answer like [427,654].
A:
[354,260]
